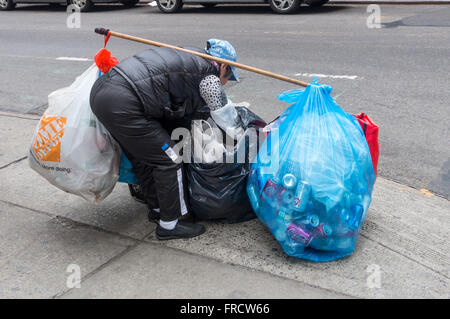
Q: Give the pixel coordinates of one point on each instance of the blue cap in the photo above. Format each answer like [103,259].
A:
[224,50]
[165,146]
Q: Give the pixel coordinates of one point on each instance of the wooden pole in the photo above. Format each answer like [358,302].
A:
[203,55]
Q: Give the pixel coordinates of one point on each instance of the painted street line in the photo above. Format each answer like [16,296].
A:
[64,58]
[347,77]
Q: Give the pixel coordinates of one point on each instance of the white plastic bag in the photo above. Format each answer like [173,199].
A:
[227,118]
[208,142]
[71,148]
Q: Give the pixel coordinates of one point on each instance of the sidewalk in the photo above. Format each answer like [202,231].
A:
[43,230]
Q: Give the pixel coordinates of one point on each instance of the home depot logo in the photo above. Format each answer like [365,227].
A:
[47,144]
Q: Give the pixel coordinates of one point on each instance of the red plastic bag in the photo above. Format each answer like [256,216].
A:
[104,60]
[370,130]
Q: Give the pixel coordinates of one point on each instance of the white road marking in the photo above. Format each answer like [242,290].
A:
[65,58]
[347,77]
[152,4]
[62,58]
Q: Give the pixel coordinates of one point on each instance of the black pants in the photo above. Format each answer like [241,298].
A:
[118,108]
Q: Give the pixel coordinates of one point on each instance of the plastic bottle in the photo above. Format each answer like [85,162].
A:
[341,228]
[344,215]
[302,196]
[265,212]
[311,221]
[254,198]
[263,175]
[279,231]
[358,211]
[277,175]
[351,218]
[285,214]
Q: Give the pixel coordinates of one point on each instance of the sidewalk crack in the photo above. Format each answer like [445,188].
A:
[77,223]
[98,269]
[19,117]
[14,162]
[216,259]
[105,264]
[407,257]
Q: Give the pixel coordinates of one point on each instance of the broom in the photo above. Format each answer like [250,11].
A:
[108,33]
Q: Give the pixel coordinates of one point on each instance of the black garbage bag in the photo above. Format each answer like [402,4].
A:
[217,191]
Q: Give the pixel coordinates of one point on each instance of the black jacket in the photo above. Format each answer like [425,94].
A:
[167,81]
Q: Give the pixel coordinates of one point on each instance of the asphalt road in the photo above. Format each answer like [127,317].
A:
[399,74]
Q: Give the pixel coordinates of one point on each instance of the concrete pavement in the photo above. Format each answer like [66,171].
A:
[404,245]
[403,250]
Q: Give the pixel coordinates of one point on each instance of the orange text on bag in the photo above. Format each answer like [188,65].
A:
[47,144]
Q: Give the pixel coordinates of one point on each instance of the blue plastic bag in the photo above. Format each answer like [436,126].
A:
[313,179]
[126,171]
